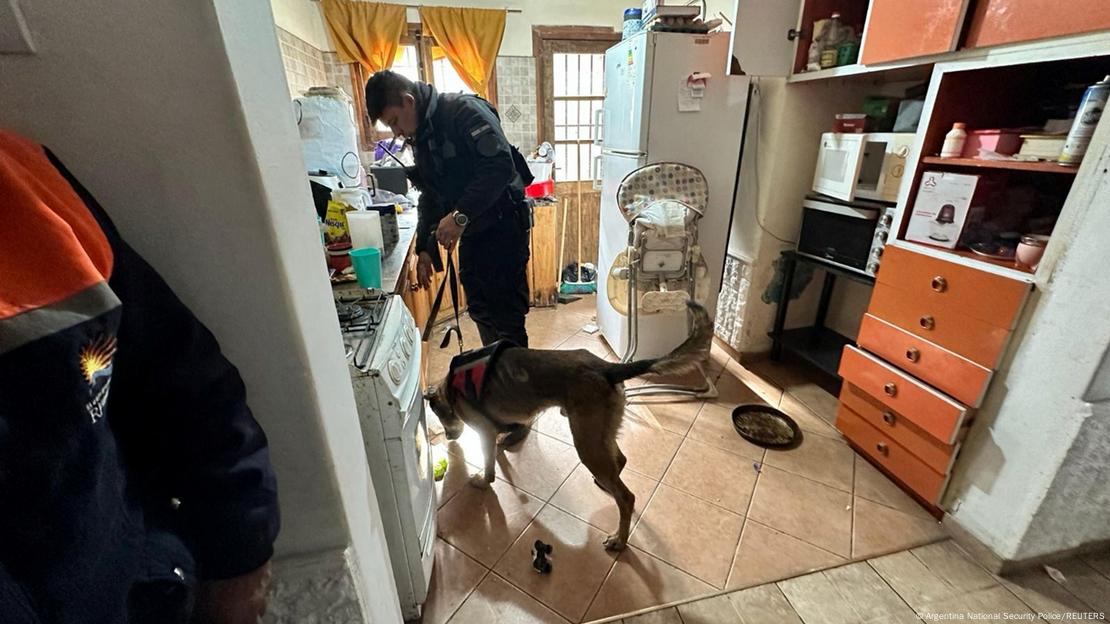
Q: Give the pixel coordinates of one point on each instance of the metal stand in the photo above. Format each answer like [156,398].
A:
[708,390]
[818,345]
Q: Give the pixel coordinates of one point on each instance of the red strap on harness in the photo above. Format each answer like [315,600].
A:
[468,381]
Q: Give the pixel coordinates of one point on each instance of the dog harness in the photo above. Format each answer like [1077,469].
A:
[469,370]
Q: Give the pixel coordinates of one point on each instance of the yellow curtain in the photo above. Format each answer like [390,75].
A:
[367,33]
[470,38]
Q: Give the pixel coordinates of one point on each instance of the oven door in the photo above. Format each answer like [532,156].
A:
[839,234]
[838,164]
[417,457]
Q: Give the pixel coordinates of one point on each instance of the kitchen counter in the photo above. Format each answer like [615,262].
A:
[394,265]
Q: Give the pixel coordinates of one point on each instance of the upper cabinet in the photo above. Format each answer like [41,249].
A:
[895,31]
[762,36]
[776,37]
[996,22]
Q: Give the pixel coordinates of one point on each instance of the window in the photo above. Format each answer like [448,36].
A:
[418,58]
[571,82]
[577,87]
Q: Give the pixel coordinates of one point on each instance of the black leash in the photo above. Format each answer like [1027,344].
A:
[456,328]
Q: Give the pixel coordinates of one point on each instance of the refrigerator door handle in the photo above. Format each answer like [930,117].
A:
[595,172]
[597,126]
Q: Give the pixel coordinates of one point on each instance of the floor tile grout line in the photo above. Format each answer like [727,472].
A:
[532,521]
[743,527]
[468,594]
[852,516]
[621,554]
[892,589]
[1077,596]
[524,591]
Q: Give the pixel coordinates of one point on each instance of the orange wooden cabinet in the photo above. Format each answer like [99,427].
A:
[941,323]
[882,449]
[984,296]
[930,340]
[936,413]
[947,371]
[897,29]
[934,453]
[996,22]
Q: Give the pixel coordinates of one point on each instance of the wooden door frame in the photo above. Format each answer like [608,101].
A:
[576,34]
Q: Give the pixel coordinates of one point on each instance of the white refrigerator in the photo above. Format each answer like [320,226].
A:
[641,123]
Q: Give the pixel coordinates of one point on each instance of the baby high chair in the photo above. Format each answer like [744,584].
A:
[662,266]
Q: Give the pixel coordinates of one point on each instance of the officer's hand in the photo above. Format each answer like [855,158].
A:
[448,232]
[424,269]
[239,600]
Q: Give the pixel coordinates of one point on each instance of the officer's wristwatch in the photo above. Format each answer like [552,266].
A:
[461,220]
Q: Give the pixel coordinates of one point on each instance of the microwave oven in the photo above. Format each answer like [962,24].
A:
[868,166]
[844,233]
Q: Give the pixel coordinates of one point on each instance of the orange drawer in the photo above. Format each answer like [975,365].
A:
[940,323]
[937,414]
[910,470]
[934,283]
[925,447]
[957,376]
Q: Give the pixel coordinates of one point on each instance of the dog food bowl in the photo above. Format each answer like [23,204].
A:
[766,426]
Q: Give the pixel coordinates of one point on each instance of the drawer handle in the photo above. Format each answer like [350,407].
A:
[888,418]
[928,322]
[882,448]
[912,354]
[940,284]
[890,389]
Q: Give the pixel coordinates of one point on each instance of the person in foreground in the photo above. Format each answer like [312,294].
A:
[135,485]
[471,183]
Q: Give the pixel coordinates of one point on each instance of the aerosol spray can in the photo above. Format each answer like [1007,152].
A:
[1086,118]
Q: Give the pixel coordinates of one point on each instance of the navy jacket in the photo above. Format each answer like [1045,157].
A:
[128,455]
[463,162]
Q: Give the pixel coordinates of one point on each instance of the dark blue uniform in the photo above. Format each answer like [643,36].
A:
[465,163]
[130,465]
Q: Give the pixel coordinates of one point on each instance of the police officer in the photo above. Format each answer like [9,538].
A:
[471,184]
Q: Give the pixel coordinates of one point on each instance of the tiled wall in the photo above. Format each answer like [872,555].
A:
[735,285]
[304,64]
[516,100]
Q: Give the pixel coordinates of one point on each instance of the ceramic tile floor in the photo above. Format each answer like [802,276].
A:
[937,582]
[712,512]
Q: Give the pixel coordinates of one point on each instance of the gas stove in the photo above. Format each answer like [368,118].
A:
[360,319]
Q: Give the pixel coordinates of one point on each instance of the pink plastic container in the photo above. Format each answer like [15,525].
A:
[1006,142]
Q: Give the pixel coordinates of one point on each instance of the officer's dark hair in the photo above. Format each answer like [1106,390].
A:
[386,88]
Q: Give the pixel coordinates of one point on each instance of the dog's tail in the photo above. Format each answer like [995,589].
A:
[693,351]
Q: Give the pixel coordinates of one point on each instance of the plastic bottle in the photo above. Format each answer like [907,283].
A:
[954,141]
[833,36]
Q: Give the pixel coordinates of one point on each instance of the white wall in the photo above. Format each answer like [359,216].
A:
[304,19]
[1033,478]
[299,16]
[784,132]
[175,115]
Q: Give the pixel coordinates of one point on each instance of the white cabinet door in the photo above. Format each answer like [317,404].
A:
[759,36]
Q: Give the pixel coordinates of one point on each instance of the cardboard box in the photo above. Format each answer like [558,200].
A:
[940,210]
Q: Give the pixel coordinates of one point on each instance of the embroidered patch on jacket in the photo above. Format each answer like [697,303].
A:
[95,361]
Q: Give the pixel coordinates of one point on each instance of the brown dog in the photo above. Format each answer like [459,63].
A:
[590,393]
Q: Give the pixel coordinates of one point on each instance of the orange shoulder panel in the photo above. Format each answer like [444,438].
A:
[51,246]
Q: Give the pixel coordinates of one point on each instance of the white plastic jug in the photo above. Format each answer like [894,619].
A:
[366,229]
